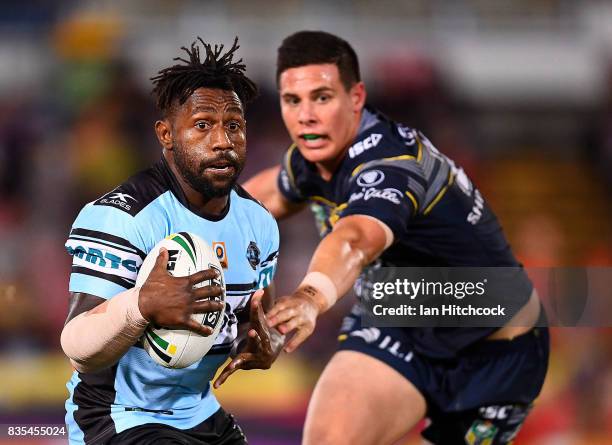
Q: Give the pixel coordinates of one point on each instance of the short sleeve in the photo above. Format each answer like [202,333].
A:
[270,247]
[286,177]
[106,251]
[386,193]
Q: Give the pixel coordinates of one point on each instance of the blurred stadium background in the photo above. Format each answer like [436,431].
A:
[518,92]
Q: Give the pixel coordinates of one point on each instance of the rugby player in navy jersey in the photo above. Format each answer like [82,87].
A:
[382,193]
[117,393]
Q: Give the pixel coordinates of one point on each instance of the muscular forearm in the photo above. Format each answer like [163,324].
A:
[340,258]
[355,241]
[98,338]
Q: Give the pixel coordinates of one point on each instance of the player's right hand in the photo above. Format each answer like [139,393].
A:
[263,344]
[169,302]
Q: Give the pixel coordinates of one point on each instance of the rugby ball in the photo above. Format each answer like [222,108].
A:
[174,348]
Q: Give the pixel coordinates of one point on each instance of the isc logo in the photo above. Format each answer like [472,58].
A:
[495,411]
[361,146]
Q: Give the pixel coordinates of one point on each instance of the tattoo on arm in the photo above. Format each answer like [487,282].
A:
[309,290]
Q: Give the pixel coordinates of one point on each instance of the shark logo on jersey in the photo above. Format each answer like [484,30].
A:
[252,255]
[122,201]
[370,178]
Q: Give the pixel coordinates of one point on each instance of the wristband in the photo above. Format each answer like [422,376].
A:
[327,292]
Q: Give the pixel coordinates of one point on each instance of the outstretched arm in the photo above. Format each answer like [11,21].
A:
[355,241]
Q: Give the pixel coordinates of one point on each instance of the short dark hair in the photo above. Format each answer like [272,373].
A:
[178,82]
[316,47]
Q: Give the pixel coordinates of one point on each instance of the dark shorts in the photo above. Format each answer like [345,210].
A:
[481,397]
[218,429]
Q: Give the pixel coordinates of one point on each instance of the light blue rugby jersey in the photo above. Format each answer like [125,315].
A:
[108,242]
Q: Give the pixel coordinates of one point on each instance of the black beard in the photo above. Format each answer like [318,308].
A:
[197,180]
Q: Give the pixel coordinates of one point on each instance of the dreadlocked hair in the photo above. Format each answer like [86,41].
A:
[178,82]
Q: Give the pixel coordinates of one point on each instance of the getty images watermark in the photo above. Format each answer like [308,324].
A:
[413,290]
[483,296]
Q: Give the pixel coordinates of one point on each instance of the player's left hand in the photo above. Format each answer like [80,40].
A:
[263,346]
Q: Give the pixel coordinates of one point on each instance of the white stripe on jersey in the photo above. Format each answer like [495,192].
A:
[103,258]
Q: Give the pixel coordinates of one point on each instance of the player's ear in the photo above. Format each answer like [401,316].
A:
[163,130]
[358,96]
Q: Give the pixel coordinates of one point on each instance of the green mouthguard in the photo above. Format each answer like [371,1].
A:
[311,137]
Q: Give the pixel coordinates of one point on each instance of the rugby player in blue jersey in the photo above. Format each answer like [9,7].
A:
[118,394]
[383,194]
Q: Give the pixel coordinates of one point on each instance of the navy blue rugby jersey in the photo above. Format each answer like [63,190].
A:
[108,243]
[438,217]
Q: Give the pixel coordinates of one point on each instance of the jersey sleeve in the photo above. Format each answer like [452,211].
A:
[388,191]
[286,177]
[270,246]
[106,251]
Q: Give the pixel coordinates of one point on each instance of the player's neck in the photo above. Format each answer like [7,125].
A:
[327,169]
[201,205]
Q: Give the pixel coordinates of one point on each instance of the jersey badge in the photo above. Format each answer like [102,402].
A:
[221,252]
[482,432]
[252,254]
[370,178]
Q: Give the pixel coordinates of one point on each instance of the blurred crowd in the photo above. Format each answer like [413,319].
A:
[89,125]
